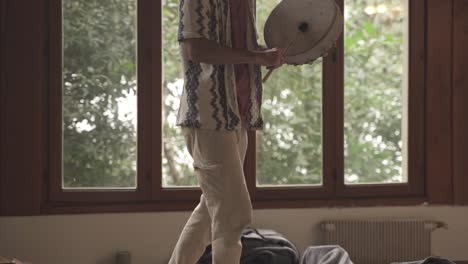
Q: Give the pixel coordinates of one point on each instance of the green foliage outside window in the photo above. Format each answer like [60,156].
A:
[375,78]
[99,58]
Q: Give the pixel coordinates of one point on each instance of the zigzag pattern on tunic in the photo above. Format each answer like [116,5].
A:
[221,22]
[212,23]
[258,124]
[214,97]
[234,120]
[200,18]
[192,74]
[255,103]
[250,105]
[181,19]
[233,117]
[222,94]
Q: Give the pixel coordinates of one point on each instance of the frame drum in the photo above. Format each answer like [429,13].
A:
[306,28]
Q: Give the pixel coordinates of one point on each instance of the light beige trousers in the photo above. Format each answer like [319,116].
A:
[225,208]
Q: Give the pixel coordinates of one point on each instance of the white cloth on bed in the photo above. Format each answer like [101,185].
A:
[429,260]
[329,254]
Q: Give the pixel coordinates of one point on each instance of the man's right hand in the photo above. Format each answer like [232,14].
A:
[271,58]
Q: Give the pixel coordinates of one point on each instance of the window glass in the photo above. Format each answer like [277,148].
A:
[176,162]
[289,149]
[376,91]
[99,94]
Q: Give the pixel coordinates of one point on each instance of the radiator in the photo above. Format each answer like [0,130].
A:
[382,241]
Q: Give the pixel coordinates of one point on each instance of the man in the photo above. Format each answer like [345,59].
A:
[221,100]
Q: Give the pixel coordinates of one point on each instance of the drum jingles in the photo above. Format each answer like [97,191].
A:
[306,29]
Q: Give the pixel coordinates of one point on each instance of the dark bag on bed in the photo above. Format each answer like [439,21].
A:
[262,246]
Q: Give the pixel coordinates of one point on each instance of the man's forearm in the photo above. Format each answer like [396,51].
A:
[209,51]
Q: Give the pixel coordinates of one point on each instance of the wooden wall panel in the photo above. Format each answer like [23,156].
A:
[2,94]
[460,102]
[22,107]
[438,102]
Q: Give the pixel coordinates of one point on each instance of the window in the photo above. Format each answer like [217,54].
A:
[99,87]
[376,91]
[340,128]
[100,100]
[177,163]
[381,99]
[348,125]
[289,149]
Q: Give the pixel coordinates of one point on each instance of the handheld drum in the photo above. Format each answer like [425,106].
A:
[306,29]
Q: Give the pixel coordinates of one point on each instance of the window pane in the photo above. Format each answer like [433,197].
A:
[376,84]
[99,94]
[289,149]
[177,163]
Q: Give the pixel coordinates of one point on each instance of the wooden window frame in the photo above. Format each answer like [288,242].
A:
[146,65]
[151,196]
[416,108]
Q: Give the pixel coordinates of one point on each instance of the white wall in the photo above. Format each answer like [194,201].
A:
[89,239]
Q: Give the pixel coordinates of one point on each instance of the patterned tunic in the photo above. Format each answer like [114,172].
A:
[209,97]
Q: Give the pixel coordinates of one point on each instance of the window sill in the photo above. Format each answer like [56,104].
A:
[174,206]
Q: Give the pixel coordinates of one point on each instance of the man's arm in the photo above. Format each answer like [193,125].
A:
[202,50]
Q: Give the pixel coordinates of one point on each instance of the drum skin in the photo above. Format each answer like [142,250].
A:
[324,24]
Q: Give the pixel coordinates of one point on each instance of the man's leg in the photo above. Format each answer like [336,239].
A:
[219,156]
[195,236]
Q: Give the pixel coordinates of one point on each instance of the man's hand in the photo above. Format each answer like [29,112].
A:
[271,58]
